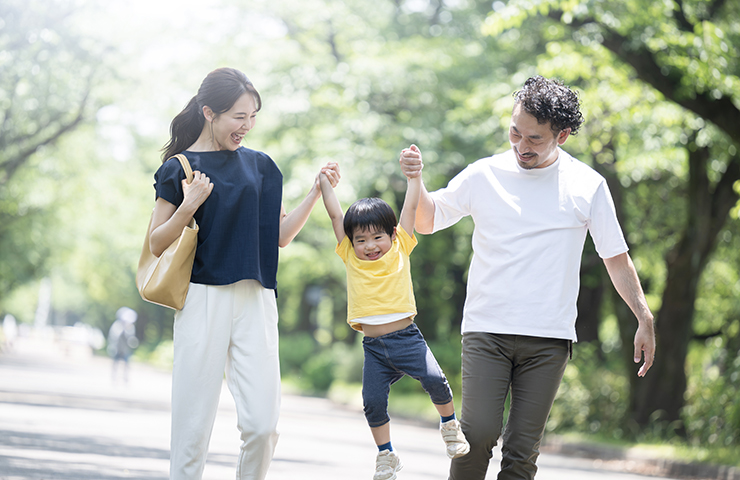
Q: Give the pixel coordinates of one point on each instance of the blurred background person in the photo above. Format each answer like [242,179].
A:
[10,332]
[122,340]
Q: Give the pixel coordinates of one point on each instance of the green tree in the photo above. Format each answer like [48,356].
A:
[689,60]
[47,75]
[357,82]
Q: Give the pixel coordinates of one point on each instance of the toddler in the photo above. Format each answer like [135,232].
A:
[381,305]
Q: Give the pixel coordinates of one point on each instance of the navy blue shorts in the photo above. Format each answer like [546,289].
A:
[387,359]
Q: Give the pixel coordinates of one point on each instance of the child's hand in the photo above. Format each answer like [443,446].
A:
[331,171]
[411,164]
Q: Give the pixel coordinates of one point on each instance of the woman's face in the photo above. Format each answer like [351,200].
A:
[229,127]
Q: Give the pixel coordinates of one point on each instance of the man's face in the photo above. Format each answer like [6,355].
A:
[534,144]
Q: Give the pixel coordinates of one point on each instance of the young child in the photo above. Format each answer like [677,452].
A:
[381,305]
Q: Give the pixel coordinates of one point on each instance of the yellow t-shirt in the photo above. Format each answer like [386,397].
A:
[382,286]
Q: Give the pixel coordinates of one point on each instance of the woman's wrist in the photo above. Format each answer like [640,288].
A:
[315,193]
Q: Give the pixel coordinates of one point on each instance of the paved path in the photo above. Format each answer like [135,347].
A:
[62,418]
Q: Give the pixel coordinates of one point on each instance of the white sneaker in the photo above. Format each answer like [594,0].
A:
[452,434]
[387,464]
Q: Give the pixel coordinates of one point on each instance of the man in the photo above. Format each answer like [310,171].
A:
[532,207]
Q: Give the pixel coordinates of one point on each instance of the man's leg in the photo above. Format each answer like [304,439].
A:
[486,376]
[539,364]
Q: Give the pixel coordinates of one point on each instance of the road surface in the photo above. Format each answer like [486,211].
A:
[63,418]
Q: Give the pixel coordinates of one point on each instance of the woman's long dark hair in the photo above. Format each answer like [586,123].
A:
[220,90]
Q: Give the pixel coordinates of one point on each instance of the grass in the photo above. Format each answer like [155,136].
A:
[675,450]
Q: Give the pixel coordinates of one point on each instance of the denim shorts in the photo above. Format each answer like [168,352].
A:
[387,359]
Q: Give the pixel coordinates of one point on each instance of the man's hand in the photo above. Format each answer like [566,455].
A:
[645,346]
[411,164]
[624,277]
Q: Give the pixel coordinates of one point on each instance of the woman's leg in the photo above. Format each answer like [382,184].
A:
[253,376]
[201,342]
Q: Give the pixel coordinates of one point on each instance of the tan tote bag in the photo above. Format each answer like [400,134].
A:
[164,280]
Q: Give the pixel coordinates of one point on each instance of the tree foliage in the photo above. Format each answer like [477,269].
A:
[47,73]
[684,164]
[355,82]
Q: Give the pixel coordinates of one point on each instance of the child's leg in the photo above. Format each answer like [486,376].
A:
[382,434]
[446,410]
[377,377]
[413,356]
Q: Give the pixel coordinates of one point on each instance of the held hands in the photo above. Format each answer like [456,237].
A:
[197,191]
[331,172]
[411,163]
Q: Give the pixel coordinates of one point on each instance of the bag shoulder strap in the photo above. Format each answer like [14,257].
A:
[185,166]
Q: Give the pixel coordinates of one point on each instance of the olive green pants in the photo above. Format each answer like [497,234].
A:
[530,369]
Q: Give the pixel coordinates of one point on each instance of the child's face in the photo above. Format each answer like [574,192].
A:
[371,244]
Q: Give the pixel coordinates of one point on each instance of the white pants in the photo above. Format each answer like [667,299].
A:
[231,328]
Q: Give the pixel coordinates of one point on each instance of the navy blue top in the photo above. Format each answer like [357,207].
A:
[239,222]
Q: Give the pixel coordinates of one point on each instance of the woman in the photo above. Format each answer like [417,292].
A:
[229,320]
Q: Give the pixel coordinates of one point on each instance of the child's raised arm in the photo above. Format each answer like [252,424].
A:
[411,202]
[331,202]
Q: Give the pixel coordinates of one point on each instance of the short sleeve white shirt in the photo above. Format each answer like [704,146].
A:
[530,227]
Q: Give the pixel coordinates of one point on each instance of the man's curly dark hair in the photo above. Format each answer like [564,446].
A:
[548,100]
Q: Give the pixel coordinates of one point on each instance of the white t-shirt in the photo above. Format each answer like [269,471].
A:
[530,227]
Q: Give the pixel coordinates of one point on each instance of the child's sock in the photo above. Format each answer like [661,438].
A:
[447,419]
[385,446]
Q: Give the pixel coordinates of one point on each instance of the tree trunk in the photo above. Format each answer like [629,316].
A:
[664,387]
[708,210]
[590,296]
[307,309]
[664,390]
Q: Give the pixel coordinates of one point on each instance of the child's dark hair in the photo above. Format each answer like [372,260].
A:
[550,101]
[369,213]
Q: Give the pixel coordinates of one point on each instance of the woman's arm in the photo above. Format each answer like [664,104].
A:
[292,223]
[169,220]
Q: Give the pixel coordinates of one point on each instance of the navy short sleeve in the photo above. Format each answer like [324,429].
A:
[167,181]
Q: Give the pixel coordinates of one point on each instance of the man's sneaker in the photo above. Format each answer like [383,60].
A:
[387,464]
[457,445]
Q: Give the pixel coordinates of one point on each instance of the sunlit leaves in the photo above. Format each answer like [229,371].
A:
[514,13]
[45,79]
